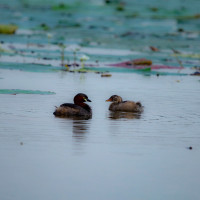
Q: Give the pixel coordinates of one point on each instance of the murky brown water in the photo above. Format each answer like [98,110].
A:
[108,157]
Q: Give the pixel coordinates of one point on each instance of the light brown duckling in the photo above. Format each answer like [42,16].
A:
[78,109]
[125,106]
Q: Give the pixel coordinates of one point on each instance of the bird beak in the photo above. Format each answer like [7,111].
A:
[108,100]
[87,100]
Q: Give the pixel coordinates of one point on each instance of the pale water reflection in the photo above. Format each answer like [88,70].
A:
[80,127]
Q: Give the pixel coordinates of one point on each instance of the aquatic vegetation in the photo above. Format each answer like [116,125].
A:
[75,56]
[120,6]
[44,27]
[2,50]
[110,32]
[142,64]
[189,17]
[19,91]
[8,29]
[68,24]
[83,59]
[61,7]
[62,47]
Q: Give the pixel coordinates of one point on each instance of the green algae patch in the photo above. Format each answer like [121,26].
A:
[8,29]
[18,91]
[61,7]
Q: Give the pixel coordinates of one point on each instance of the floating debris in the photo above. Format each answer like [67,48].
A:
[106,75]
[154,48]
[142,61]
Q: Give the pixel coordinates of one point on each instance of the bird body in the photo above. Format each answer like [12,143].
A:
[125,106]
[78,109]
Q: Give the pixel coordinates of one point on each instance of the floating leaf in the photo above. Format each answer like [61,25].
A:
[7,29]
[19,91]
[29,67]
[142,64]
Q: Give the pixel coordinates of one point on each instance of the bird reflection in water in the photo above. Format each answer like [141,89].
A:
[124,115]
[80,129]
[80,132]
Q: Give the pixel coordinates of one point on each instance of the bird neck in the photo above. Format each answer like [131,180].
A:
[80,103]
[116,102]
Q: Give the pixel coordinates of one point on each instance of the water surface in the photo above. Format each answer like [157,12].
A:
[112,156]
[120,157]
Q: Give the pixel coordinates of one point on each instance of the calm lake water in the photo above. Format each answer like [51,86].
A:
[106,157]
[111,156]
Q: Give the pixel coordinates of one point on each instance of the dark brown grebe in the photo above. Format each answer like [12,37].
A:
[78,109]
